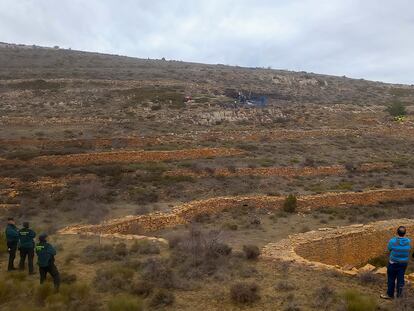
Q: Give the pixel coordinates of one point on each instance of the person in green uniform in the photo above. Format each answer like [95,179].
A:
[12,237]
[26,246]
[46,261]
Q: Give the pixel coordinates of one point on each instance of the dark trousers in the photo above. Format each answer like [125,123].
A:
[53,271]
[12,248]
[29,253]
[395,271]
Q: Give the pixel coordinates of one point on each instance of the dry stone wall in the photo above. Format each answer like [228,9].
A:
[279,171]
[129,156]
[405,131]
[186,212]
[341,248]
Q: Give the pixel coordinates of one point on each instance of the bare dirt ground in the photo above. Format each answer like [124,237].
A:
[87,138]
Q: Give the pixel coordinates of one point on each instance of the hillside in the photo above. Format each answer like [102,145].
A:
[158,201]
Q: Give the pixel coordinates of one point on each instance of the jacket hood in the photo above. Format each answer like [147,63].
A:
[402,241]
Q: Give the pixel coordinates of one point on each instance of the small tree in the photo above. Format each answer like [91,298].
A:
[397,109]
[290,204]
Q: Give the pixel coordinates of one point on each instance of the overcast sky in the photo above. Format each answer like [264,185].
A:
[372,39]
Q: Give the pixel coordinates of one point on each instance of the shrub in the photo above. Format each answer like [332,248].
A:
[244,293]
[113,279]
[124,303]
[145,247]
[396,109]
[284,285]
[97,253]
[370,278]
[290,204]
[120,250]
[218,249]
[350,167]
[251,252]
[309,162]
[324,297]
[142,288]
[355,301]
[42,292]
[202,218]
[199,254]
[230,226]
[174,240]
[157,272]
[162,298]
[7,291]
[67,278]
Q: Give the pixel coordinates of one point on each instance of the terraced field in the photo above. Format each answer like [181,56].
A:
[191,198]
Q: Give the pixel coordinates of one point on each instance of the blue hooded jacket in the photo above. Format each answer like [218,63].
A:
[399,248]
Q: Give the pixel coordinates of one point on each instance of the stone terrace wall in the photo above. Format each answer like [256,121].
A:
[339,248]
[186,212]
[129,156]
[279,171]
[196,136]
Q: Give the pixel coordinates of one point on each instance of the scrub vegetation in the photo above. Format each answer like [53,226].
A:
[76,104]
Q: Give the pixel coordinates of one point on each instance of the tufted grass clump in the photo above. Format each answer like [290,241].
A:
[355,301]
[125,303]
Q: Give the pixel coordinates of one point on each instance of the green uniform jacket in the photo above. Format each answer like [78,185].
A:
[45,254]
[26,237]
[12,234]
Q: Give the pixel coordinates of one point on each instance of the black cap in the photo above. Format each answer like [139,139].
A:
[10,218]
[42,237]
[26,224]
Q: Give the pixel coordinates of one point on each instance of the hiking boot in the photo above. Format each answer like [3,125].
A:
[385,296]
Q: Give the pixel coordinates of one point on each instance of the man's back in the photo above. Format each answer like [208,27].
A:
[26,238]
[399,248]
[45,254]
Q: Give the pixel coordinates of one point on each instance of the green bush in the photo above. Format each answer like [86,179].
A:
[124,303]
[290,204]
[355,301]
[396,109]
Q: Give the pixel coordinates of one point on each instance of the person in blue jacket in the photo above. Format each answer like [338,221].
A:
[26,246]
[12,237]
[46,260]
[399,248]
